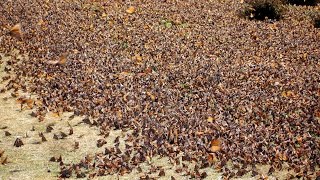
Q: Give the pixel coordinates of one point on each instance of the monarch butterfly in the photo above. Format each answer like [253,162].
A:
[16,31]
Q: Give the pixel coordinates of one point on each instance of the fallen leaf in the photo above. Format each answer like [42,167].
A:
[210,119]
[130,10]
[215,145]
[168,24]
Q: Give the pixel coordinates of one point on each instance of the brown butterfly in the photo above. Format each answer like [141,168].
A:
[23,100]
[18,143]
[16,31]
[61,61]
[5,160]
[42,137]
[215,145]
[1,153]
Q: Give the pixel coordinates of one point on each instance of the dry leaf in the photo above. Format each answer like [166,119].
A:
[16,31]
[215,145]
[130,10]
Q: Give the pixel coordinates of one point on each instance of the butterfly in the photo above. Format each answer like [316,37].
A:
[61,61]
[215,145]
[16,31]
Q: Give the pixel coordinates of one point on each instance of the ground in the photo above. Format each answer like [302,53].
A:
[173,89]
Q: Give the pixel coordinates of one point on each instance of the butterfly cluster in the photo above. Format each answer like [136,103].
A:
[188,80]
